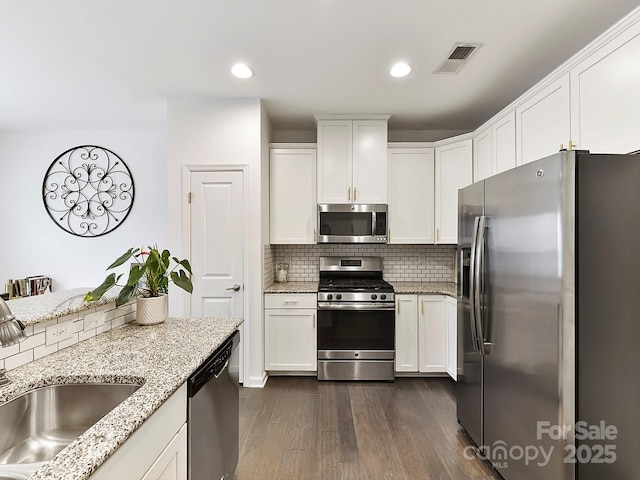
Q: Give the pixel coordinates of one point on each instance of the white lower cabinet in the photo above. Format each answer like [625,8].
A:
[290,332]
[424,332]
[172,462]
[406,333]
[452,337]
[157,450]
[432,333]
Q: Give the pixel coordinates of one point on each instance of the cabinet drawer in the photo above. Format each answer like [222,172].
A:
[289,300]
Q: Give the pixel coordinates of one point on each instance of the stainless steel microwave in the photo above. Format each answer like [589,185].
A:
[352,223]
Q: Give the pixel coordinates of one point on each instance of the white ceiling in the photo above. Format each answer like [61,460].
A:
[111,64]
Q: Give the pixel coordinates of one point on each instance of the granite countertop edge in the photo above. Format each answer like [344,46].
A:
[42,308]
[131,354]
[292,287]
[441,288]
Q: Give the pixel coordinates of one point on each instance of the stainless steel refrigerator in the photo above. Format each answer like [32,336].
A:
[548,317]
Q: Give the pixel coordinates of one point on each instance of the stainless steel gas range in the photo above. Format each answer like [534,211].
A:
[356,320]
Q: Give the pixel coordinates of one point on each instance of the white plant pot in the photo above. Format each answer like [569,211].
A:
[151,310]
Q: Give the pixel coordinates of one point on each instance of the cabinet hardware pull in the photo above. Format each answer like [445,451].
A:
[314,320]
[438,234]
[422,307]
[354,194]
[315,237]
[571,145]
[349,193]
[398,305]
[292,302]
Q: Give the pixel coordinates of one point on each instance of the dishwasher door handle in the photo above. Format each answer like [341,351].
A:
[217,375]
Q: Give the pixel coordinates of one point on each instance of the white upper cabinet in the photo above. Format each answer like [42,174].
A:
[411,195]
[494,148]
[605,96]
[292,195]
[543,123]
[503,133]
[335,161]
[454,166]
[482,155]
[352,160]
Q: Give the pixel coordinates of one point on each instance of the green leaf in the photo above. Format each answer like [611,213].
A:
[184,263]
[97,293]
[126,294]
[123,258]
[182,281]
[135,274]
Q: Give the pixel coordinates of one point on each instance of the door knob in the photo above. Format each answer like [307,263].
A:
[235,288]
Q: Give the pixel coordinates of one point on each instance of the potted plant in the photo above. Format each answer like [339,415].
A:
[149,279]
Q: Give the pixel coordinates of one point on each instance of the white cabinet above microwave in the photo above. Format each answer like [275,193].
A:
[352,159]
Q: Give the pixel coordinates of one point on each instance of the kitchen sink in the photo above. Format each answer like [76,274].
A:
[39,423]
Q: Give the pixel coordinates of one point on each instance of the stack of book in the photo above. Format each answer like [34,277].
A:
[27,287]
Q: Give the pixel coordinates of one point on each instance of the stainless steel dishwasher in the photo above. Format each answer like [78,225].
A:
[213,409]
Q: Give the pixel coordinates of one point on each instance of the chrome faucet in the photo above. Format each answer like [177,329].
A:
[11,332]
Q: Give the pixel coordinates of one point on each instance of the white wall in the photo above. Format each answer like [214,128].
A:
[222,131]
[30,242]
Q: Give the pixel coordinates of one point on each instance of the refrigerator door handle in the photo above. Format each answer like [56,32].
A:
[472,286]
[477,268]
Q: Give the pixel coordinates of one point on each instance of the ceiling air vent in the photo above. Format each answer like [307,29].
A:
[457,57]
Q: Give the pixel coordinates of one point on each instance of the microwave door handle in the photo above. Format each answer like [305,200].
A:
[472,285]
[477,271]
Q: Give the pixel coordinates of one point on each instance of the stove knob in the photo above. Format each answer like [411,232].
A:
[338,296]
[329,297]
[383,297]
[373,296]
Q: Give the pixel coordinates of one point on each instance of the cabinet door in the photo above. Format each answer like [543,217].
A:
[335,161]
[543,123]
[432,333]
[290,339]
[452,336]
[605,98]
[411,195]
[134,458]
[172,462]
[453,171]
[406,333]
[369,161]
[293,196]
[482,155]
[503,133]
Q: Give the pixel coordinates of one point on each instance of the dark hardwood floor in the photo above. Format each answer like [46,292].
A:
[298,428]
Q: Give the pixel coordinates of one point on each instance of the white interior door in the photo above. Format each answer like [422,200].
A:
[217,241]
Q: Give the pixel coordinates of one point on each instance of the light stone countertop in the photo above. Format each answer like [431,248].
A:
[40,308]
[442,288]
[292,287]
[162,356]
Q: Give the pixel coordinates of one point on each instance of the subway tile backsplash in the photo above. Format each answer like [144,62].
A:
[80,326]
[413,263]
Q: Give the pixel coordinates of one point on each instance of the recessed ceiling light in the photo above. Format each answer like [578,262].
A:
[241,70]
[400,70]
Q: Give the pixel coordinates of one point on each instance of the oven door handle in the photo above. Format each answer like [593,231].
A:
[356,306]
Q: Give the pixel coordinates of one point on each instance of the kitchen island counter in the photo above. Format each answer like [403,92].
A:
[160,357]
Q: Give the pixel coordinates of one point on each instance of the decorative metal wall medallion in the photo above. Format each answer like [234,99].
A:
[88,191]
